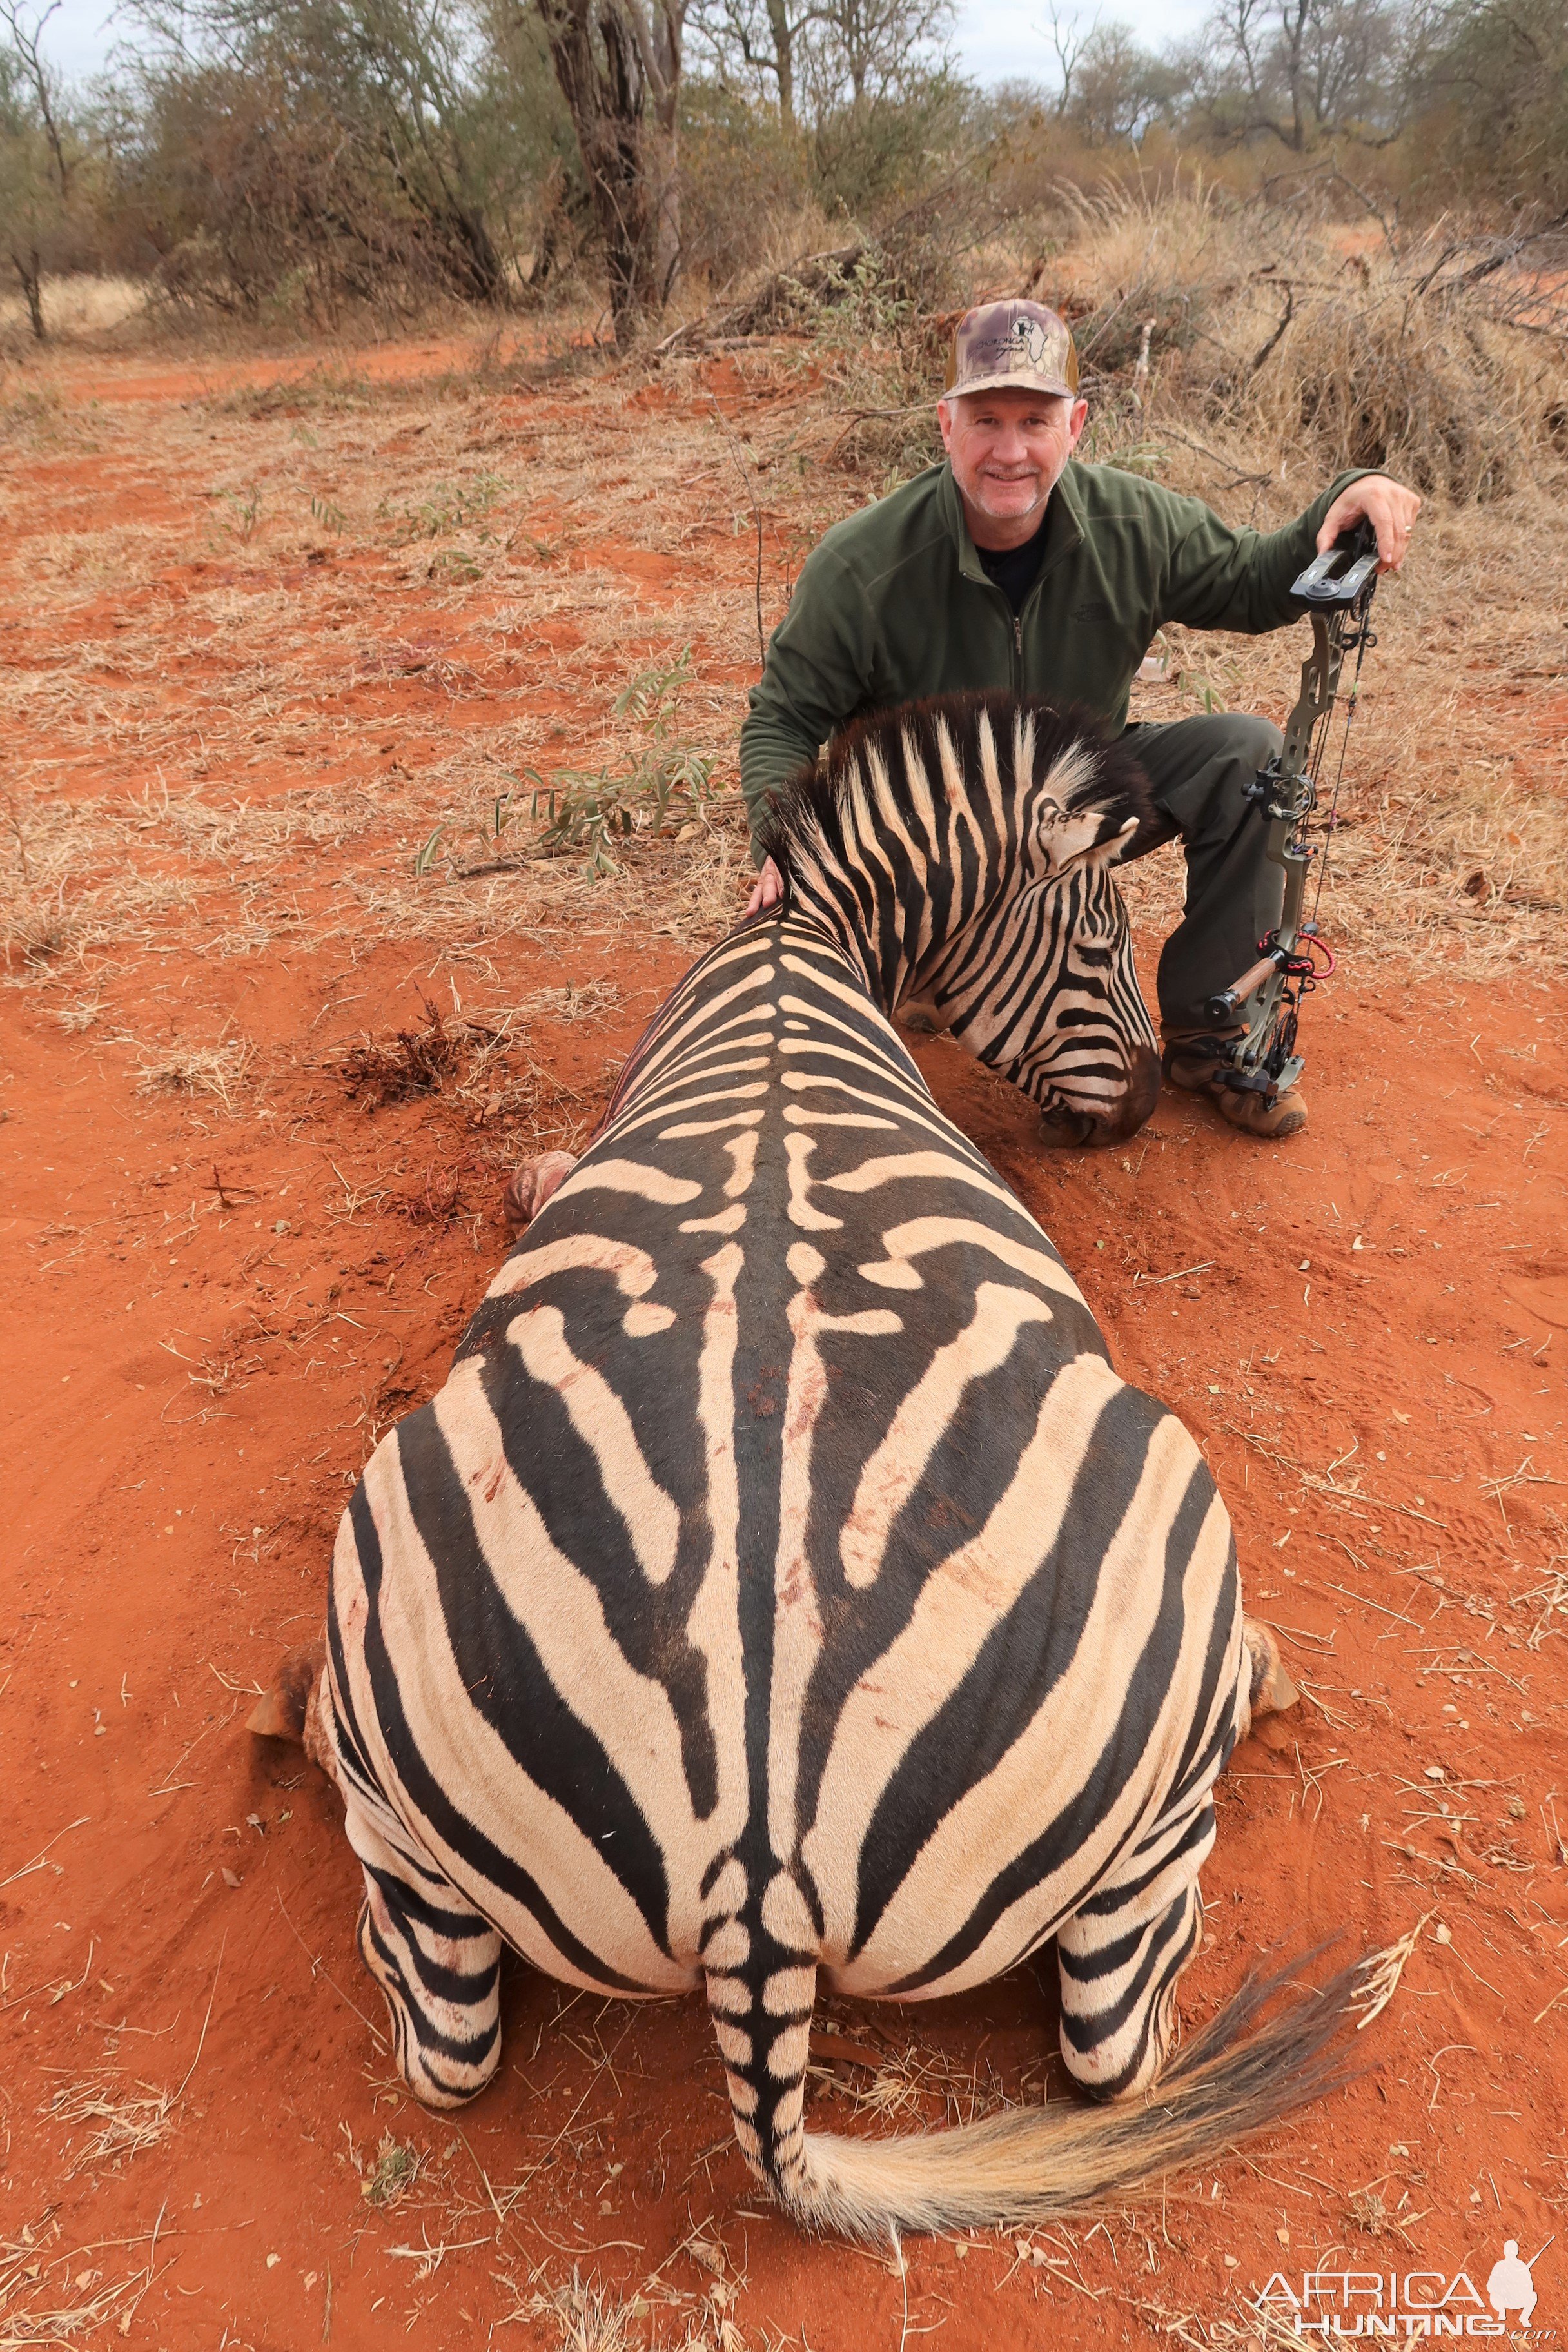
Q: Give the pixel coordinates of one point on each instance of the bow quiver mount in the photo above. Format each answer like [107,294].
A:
[1335,592]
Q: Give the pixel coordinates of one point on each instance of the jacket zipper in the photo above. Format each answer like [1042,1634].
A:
[1018,621]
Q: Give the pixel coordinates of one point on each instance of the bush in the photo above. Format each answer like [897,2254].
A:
[746,193]
[1498,84]
[874,157]
[1381,350]
[316,153]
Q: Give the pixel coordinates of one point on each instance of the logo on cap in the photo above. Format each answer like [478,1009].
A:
[1017,346]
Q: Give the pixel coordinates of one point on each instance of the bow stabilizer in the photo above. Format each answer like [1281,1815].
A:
[1335,592]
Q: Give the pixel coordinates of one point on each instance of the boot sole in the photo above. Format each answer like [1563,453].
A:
[1222,1097]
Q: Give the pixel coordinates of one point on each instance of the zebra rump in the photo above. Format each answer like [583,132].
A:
[783,1584]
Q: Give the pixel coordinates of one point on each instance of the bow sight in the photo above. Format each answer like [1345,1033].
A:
[1336,591]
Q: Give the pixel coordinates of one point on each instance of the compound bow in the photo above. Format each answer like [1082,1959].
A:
[1336,590]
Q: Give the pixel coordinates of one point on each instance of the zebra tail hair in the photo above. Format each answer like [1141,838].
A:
[1037,2164]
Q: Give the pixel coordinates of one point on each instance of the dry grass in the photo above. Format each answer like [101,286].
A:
[75,309]
[1246,2331]
[908,2079]
[124,2123]
[585,2318]
[442,1053]
[1363,346]
[479,1070]
[394,604]
[392,2175]
[590,1002]
[218,1071]
[55,2293]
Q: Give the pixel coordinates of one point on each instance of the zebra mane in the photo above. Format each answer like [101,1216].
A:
[985,747]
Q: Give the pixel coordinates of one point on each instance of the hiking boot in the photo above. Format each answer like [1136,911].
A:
[1192,1062]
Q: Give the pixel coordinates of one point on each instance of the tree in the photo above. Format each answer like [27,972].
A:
[876,46]
[1298,69]
[764,38]
[1068,44]
[37,157]
[813,56]
[1120,86]
[1499,69]
[864,49]
[362,144]
[618,65]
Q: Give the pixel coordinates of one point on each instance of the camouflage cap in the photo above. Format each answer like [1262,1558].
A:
[1012,347]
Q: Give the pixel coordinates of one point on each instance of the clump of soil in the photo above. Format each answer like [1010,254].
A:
[443,1054]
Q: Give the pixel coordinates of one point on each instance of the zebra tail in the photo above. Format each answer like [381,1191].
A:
[1036,2164]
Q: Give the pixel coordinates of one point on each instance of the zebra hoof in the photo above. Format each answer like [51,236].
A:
[280,1713]
[1272,1687]
[534,1183]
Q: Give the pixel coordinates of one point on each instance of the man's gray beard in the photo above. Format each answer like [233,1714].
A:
[1033,507]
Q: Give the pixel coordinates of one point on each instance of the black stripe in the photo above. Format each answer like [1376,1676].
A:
[1142,1996]
[437,1805]
[1117,1459]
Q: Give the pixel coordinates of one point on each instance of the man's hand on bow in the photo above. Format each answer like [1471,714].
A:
[767,890]
[1387,505]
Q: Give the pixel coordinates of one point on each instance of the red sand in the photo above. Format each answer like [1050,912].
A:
[1384,1303]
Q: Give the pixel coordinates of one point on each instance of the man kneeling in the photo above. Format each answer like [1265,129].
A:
[1013,566]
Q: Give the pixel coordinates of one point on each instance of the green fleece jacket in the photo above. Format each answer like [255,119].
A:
[893,604]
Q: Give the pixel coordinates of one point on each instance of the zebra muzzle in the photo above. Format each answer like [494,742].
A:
[1066,1128]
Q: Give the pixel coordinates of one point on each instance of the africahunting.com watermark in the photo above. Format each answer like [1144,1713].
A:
[1380,2304]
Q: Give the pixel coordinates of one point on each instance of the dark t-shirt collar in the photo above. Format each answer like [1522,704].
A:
[1015,570]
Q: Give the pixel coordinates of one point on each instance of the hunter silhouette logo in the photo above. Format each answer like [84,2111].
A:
[1510,2287]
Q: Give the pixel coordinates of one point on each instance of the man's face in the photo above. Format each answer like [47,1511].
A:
[1006,449]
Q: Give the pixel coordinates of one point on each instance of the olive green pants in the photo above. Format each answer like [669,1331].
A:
[1199,768]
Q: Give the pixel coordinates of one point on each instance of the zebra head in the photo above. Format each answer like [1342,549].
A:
[961,850]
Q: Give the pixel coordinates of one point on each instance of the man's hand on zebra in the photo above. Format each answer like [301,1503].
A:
[766,892]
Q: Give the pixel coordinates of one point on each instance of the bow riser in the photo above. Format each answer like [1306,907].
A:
[1263,1059]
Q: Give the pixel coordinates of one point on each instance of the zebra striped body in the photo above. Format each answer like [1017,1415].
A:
[784,1587]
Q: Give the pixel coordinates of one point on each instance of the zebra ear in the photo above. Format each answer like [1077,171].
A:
[1084,836]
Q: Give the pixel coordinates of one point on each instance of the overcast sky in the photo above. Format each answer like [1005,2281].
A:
[996,40]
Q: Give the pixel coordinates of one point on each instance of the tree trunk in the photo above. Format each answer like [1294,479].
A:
[609,65]
[29,269]
[1295,47]
[782,31]
[663,149]
[474,266]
